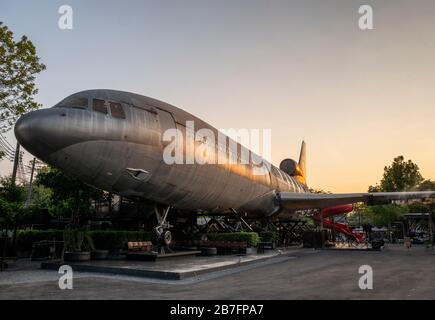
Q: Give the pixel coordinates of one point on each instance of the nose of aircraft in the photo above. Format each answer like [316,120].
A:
[40,132]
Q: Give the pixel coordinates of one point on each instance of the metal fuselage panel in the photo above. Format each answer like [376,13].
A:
[125,156]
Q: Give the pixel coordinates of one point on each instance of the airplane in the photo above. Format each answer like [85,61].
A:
[114,141]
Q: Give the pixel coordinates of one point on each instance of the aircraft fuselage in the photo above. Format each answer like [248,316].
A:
[113,141]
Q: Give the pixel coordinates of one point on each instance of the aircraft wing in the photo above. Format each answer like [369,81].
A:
[301,201]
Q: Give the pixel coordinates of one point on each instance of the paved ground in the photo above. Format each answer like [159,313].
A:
[398,274]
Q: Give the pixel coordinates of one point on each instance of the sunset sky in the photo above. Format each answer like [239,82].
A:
[302,68]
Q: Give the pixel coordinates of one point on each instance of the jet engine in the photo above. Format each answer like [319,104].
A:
[291,167]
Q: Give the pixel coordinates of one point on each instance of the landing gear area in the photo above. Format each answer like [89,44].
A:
[288,232]
[162,235]
[175,231]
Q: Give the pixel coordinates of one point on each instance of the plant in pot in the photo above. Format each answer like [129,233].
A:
[99,254]
[78,244]
[102,245]
[118,244]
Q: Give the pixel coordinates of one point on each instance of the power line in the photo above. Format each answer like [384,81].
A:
[6,141]
[6,145]
[6,149]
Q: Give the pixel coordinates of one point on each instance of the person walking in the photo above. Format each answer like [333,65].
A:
[407,242]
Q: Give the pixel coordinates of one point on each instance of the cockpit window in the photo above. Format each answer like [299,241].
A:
[116,110]
[74,102]
[99,106]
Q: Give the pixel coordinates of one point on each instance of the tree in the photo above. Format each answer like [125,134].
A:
[380,215]
[375,188]
[69,196]
[360,215]
[419,207]
[400,176]
[18,66]
[385,215]
[426,185]
[423,206]
[11,202]
[11,205]
[41,196]
[10,192]
[319,191]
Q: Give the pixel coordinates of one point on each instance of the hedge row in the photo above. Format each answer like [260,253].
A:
[268,236]
[251,238]
[107,240]
[26,238]
[103,240]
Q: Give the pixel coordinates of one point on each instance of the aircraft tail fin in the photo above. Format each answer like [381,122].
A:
[296,169]
[302,161]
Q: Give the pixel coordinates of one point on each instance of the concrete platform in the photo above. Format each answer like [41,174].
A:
[153,256]
[169,268]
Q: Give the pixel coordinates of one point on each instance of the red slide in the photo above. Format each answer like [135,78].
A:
[340,227]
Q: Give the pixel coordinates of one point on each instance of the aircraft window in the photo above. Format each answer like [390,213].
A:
[99,106]
[117,110]
[74,102]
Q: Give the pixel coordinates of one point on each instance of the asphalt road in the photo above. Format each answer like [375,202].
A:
[397,274]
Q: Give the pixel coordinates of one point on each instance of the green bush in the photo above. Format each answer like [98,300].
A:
[26,238]
[78,240]
[251,238]
[268,236]
[103,240]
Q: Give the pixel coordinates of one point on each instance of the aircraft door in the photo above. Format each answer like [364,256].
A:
[166,122]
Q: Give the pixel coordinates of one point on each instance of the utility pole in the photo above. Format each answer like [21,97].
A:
[16,160]
[29,190]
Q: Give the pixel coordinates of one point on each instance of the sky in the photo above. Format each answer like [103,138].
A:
[304,69]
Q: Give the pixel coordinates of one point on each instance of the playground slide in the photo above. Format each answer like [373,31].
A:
[339,227]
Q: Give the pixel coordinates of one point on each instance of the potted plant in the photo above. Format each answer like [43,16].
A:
[101,244]
[108,244]
[78,244]
[99,254]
